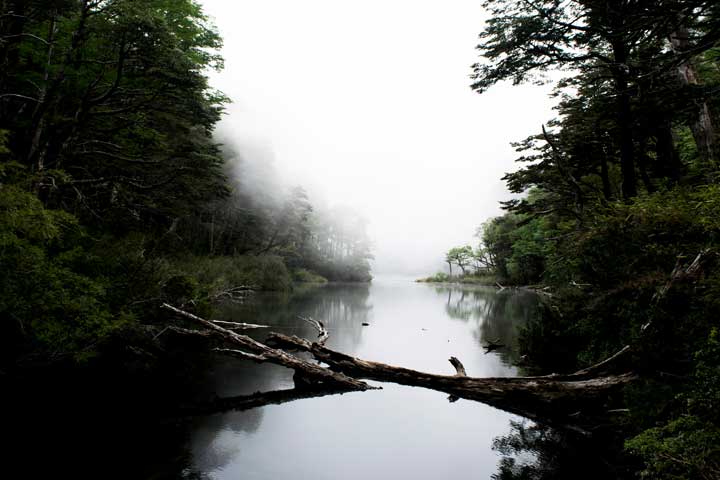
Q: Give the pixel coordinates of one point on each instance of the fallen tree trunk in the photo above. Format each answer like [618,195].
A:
[568,401]
[548,397]
[558,399]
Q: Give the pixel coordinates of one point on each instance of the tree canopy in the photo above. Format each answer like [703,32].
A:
[615,205]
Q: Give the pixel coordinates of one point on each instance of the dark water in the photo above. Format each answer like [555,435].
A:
[101,426]
[396,432]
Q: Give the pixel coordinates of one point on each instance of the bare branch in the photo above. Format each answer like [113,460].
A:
[29,35]
[459,367]
[15,95]
[304,370]
[323,334]
[241,354]
[238,325]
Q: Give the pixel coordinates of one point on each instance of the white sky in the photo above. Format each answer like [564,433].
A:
[367,104]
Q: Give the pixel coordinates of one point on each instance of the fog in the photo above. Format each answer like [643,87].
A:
[368,105]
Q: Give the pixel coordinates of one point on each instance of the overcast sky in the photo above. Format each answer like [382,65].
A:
[367,104]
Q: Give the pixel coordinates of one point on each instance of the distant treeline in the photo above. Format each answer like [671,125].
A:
[115,195]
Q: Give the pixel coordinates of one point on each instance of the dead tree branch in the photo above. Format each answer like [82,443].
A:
[323,334]
[552,396]
[306,372]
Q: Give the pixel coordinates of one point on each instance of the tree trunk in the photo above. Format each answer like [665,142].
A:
[554,397]
[667,156]
[643,161]
[624,120]
[702,128]
[605,177]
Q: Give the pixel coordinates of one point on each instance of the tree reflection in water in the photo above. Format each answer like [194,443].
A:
[529,451]
[538,452]
[225,444]
[498,315]
[343,308]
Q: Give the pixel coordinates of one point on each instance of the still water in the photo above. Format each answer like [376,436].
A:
[397,432]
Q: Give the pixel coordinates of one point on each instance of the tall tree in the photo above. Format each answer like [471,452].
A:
[108,106]
[620,41]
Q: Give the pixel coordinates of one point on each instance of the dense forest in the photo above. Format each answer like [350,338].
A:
[117,196]
[116,193]
[616,219]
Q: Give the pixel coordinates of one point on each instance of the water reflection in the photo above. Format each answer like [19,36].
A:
[496,315]
[397,432]
[343,309]
[538,452]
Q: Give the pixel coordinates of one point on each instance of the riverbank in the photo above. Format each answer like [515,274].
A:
[173,369]
[441,278]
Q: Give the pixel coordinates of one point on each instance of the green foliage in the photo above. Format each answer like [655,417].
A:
[606,274]
[114,120]
[113,192]
[220,274]
[332,243]
[439,277]
[181,289]
[688,446]
[43,299]
[621,120]
[460,256]
[3,142]
[518,247]
[305,276]
[628,127]
[339,271]
[479,279]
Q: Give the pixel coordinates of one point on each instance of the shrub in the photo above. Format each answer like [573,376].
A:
[216,274]
[439,277]
[47,301]
[305,276]
[688,446]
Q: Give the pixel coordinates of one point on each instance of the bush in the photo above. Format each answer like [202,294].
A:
[48,303]
[306,276]
[217,274]
[688,446]
[479,279]
[439,277]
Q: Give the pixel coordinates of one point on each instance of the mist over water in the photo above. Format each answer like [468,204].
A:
[368,106]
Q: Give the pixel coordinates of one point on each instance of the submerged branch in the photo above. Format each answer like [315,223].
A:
[258,399]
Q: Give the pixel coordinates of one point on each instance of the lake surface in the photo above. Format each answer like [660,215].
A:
[396,432]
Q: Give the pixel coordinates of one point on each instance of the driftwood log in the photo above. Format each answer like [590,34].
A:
[556,399]
[560,400]
[259,352]
[541,397]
